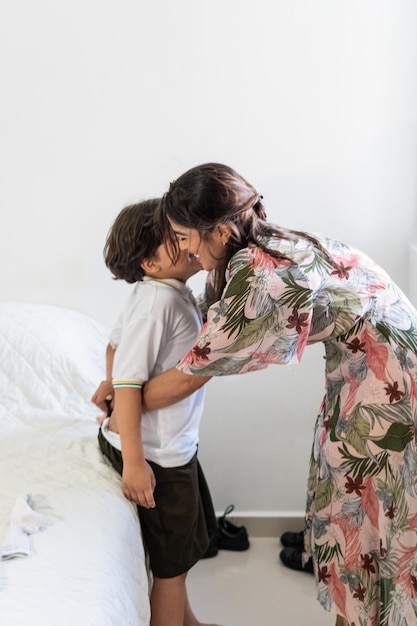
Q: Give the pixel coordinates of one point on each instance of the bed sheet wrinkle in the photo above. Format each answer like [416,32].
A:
[87,565]
[43,345]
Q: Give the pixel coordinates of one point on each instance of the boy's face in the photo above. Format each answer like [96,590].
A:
[163,267]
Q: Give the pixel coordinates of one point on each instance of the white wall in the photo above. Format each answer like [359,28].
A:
[105,102]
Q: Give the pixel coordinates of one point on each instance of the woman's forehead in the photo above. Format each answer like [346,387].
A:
[178,228]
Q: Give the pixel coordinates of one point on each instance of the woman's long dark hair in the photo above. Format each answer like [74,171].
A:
[212,194]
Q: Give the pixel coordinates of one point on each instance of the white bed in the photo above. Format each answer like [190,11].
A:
[87,564]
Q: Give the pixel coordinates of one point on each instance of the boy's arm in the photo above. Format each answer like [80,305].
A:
[138,477]
[105,389]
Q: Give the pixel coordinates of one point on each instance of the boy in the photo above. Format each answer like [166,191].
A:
[156,453]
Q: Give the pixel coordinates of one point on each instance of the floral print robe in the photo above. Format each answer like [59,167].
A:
[361,519]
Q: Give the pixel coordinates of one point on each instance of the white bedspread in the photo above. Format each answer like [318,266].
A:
[87,566]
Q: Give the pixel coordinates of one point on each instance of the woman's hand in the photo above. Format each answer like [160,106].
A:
[139,483]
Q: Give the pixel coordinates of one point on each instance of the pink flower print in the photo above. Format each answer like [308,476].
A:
[263,359]
[263,260]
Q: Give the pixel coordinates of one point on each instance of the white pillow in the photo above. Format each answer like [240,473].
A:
[52,360]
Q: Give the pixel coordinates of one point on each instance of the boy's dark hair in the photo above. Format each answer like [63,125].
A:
[135,235]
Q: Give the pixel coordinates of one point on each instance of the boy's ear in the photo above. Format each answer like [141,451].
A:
[149,265]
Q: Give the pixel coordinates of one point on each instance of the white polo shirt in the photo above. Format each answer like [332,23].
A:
[157,327]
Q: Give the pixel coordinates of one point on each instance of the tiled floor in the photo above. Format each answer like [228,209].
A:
[253,588]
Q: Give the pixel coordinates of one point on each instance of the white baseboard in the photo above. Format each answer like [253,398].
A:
[267,524]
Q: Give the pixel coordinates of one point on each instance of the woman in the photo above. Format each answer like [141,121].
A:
[276,291]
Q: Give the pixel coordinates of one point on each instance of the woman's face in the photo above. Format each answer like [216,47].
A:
[209,251]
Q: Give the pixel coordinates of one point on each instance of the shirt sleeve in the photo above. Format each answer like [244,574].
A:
[263,317]
[116,332]
[138,351]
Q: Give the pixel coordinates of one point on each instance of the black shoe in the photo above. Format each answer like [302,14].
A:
[292,558]
[293,540]
[232,537]
[213,546]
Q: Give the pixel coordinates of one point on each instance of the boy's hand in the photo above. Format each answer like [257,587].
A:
[103,394]
[139,483]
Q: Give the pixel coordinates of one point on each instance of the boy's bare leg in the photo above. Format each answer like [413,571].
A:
[168,601]
[340,621]
[170,605]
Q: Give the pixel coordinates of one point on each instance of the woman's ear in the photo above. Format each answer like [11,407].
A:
[224,232]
